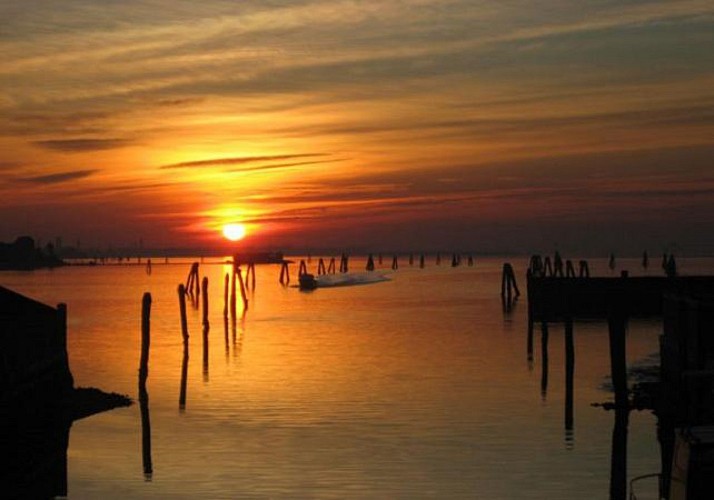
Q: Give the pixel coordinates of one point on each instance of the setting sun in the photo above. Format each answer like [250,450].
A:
[234,232]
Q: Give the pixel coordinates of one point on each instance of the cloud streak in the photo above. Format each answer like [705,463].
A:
[58,178]
[82,145]
[241,160]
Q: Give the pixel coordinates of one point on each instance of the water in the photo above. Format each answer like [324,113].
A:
[417,387]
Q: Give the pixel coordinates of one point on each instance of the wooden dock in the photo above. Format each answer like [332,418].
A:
[686,395]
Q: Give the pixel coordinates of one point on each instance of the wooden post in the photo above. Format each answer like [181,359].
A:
[411,259]
[284,274]
[508,282]
[148,266]
[182,310]
[584,270]
[558,265]
[370,263]
[470,260]
[379,258]
[617,325]
[331,267]
[395,263]
[421,261]
[645,260]
[547,267]
[143,374]
[204,286]
[438,259]
[321,267]
[302,269]
[611,263]
[569,269]
[145,339]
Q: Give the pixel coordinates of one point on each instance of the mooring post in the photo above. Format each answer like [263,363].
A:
[421,261]
[411,259]
[370,263]
[645,259]
[558,265]
[145,339]
[584,270]
[321,267]
[529,341]
[611,263]
[395,263]
[204,286]
[148,266]
[547,267]
[302,269]
[569,269]
[331,266]
[618,460]
[143,374]
[438,259]
[182,311]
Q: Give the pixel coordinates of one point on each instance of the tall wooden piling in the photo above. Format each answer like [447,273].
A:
[143,394]
[331,266]
[584,269]
[182,311]
[250,275]
[395,263]
[302,269]
[547,267]
[421,261]
[370,263]
[284,274]
[204,289]
[145,339]
[557,265]
[569,269]
[509,287]
[321,267]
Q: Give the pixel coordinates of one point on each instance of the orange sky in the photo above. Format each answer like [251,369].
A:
[483,126]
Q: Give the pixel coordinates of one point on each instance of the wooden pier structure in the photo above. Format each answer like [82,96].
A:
[685,397]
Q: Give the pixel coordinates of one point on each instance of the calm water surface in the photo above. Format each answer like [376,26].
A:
[418,387]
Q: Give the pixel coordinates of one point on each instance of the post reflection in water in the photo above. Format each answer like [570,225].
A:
[184,374]
[544,360]
[569,386]
[145,434]
[225,336]
[205,353]
[618,463]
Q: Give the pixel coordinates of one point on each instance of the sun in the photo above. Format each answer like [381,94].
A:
[234,232]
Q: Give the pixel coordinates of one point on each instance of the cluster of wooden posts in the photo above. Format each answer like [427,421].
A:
[331,267]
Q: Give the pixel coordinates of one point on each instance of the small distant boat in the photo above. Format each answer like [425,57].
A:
[259,257]
[307,281]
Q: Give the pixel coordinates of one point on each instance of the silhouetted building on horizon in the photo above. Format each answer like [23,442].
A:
[22,254]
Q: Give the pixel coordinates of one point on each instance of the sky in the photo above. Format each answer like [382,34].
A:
[456,125]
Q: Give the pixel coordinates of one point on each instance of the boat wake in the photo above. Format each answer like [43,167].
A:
[348,279]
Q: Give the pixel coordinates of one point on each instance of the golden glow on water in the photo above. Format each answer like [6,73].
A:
[412,388]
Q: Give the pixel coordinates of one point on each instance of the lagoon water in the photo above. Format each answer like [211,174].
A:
[416,387]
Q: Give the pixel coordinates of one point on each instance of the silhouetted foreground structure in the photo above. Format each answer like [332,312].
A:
[685,406]
[23,255]
[37,399]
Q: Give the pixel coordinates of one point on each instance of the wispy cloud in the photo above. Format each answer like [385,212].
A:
[58,177]
[217,162]
[80,145]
